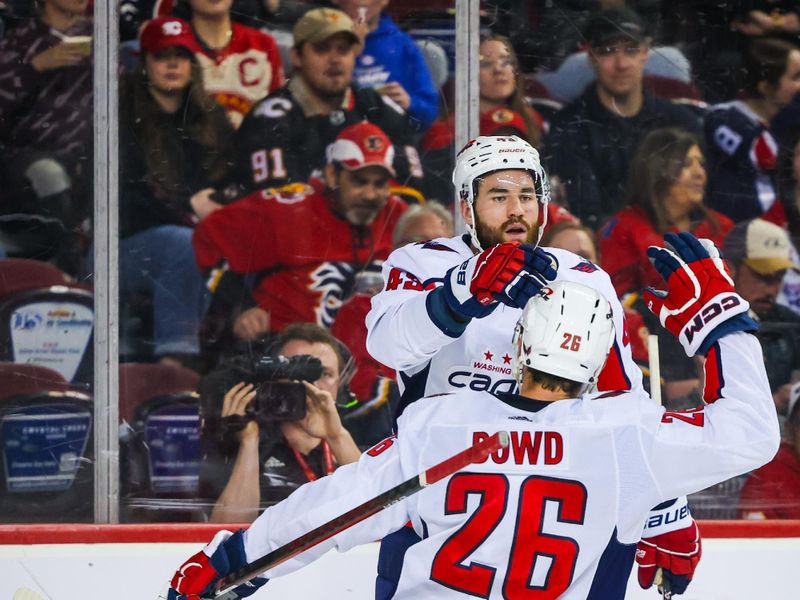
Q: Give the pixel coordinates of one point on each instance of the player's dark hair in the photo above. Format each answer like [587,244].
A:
[655,167]
[202,120]
[553,383]
[766,60]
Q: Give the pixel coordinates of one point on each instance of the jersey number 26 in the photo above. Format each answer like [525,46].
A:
[530,543]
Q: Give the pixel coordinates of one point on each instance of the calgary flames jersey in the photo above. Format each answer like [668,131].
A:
[243,72]
[304,258]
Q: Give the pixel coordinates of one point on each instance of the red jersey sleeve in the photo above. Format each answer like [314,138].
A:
[241,234]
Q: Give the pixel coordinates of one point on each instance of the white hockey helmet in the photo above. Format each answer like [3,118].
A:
[567,331]
[488,153]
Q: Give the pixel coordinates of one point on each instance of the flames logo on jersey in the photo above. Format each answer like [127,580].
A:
[585,266]
[333,281]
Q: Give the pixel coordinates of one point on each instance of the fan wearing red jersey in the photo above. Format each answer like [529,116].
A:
[241,65]
[303,248]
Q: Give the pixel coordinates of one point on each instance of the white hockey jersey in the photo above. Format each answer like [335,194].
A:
[536,518]
[402,335]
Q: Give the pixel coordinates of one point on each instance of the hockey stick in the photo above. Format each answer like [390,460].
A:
[474,453]
[654,363]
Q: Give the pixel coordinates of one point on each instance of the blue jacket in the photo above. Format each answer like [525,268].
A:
[391,55]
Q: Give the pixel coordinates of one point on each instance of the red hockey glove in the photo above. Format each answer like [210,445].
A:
[197,577]
[700,305]
[510,273]
[676,553]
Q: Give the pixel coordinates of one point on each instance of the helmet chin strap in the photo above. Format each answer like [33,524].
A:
[473,231]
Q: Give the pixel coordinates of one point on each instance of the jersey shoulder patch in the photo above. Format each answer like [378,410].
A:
[585,266]
[291,193]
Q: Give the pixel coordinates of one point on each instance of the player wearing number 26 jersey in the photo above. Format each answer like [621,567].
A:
[543,517]
[444,318]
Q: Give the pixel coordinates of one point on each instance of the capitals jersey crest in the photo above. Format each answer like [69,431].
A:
[585,266]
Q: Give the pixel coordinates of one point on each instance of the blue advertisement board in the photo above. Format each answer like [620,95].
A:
[43,446]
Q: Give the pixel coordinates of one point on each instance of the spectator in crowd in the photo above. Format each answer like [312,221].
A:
[374,384]
[665,193]
[787,176]
[590,140]
[569,81]
[574,237]
[773,491]
[503,110]
[283,138]
[241,64]
[392,63]
[46,116]
[251,461]
[759,254]
[303,247]
[421,223]
[174,146]
[560,25]
[742,150]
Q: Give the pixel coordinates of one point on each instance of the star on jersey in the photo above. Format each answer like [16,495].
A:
[506,359]
[488,355]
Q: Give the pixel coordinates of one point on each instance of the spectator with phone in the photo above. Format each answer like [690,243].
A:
[259,448]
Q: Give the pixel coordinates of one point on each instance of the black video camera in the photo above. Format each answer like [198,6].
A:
[279,394]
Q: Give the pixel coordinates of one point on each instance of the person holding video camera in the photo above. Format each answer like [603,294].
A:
[271,423]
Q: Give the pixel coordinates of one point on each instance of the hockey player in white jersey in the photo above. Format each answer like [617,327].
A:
[546,516]
[444,317]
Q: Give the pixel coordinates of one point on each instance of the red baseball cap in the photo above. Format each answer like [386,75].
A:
[502,118]
[362,145]
[166,32]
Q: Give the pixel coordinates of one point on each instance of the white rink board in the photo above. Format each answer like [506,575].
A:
[731,569]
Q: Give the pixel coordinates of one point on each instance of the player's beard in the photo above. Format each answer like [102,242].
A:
[489,236]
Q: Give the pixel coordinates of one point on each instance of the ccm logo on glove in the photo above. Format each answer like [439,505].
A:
[708,313]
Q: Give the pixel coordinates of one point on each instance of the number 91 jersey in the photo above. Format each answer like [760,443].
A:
[402,335]
[284,137]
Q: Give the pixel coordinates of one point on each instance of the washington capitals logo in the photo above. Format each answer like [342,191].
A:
[435,246]
[585,266]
